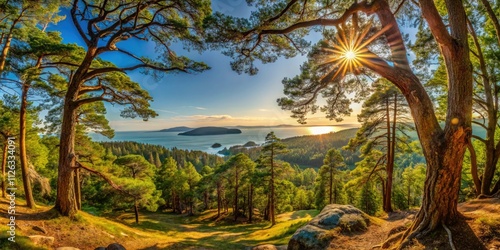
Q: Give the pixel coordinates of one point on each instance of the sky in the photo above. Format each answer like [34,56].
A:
[217,97]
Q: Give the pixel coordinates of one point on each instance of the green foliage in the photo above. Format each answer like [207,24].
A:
[368,200]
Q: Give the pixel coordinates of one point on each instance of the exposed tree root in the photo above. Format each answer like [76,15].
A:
[449,236]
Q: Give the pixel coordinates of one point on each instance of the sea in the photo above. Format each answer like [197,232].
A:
[205,142]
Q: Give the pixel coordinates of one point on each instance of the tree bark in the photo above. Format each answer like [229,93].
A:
[78,189]
[66,202]
[30,201]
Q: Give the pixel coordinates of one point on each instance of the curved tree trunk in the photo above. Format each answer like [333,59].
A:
[30,201]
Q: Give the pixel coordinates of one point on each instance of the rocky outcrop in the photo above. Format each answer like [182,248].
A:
[333,219]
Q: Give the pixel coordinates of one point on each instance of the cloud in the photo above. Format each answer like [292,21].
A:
[166,111]
[264,110]
[204,117]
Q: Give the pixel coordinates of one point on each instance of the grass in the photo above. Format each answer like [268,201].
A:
[203,231]
[155,230]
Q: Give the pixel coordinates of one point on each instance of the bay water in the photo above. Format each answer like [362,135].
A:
[205,142]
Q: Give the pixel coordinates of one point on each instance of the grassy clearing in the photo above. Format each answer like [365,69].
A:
[155,230]
[202,231]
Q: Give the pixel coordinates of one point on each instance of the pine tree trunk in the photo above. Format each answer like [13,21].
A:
[136,211]
[272,202]
[219,201]
[390,161]
[66,202]
[78,189]
[236,196]
[30,201]
[330,186]
[250,204]
[5,50]
[4,166]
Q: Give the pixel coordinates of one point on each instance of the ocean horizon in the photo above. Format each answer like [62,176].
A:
[204,143]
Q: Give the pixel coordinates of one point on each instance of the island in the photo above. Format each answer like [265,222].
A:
[216,145]
[211,131]
[250,144]
[176,129]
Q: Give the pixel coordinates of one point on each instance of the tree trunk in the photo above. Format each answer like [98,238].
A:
[387,206]
[5,50]
[30,201]
[250,204]
[236,196]
[272,202]
[443,148]
[330,186]
[219,201]
[136,211]
[66,202]
[78,189]
[4,166]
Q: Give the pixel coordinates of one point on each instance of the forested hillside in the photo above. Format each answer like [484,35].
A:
[306,151]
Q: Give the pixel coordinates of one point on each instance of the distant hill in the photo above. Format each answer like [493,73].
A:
[306,150]
[211,131]
[176,129]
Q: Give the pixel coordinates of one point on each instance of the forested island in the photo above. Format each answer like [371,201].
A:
[211,131]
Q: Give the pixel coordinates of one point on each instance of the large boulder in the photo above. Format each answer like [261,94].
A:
[333,219]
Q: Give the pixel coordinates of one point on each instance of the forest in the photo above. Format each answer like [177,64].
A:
[429,110]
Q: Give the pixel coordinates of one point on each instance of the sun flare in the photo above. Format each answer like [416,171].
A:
[321,130]
[350,55]
[346,51]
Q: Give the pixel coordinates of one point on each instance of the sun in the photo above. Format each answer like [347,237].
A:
[350,55]
[319,130]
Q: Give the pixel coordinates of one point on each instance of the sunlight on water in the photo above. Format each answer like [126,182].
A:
[320,130]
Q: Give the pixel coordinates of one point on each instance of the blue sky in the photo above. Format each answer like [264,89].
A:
[217,97]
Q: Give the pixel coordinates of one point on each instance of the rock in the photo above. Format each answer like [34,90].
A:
[39,229]
[67,248]
[216,145]
[318,233]
[265,247]
[41,240]
[115,246]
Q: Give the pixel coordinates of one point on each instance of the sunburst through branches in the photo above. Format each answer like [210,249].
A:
[347,51]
